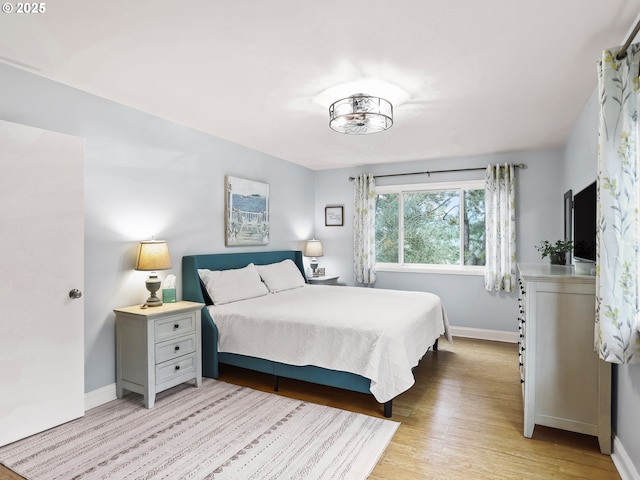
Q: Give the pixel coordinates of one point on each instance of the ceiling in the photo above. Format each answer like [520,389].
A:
[466,77]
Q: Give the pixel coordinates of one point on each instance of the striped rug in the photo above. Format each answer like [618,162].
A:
[218,431]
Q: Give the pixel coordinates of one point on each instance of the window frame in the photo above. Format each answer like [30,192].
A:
[400,266]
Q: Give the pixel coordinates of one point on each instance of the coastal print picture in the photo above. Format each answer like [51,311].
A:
[246,212]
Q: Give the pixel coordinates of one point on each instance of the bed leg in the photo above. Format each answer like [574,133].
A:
[387,408]
[435,345]
[275,383]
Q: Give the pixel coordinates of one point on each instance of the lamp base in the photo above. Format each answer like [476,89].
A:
[153,285]
[153,301]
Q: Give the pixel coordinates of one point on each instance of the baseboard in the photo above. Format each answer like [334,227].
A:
[483,334]
[624,465]
[97,397]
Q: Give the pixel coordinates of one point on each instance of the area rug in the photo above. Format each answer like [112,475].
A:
[218,431]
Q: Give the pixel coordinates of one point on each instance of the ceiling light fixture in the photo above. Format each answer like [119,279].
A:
[360,114]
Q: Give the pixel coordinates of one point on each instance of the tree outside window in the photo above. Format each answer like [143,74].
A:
[434,225]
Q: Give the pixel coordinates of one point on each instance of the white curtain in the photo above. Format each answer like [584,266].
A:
[364,230]
[500,228]
[616,330]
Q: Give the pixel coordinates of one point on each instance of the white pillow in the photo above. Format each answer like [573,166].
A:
[281,276]
[226,286]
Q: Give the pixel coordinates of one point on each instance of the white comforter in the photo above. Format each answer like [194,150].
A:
[376,333]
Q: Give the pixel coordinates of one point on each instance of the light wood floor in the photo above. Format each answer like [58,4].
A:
[462,420]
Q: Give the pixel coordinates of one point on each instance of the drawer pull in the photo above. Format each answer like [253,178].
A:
[176,326]
[177,367]
[177,348]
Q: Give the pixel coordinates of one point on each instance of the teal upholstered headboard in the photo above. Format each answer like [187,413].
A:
[192,290]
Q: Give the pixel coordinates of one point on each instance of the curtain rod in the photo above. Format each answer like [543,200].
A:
[517,165]
[623,51]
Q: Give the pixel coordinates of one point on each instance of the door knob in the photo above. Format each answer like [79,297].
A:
[75,293]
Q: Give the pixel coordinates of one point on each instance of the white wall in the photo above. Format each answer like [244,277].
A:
[539,206]
[146,176]
[580,167]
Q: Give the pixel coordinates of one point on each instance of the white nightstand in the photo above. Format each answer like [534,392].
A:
[325,280]
[157,348]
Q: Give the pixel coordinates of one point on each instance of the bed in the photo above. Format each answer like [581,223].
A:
[302,332]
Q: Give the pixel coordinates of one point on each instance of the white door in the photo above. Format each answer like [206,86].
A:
[41,261]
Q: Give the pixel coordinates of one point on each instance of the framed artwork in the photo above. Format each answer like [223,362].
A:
[334,216]
[246,212]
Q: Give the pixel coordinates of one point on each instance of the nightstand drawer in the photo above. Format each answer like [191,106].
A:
[175,326]
[167,371]
[175,348]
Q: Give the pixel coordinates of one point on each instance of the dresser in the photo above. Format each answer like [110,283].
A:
[157,348]
[564,383]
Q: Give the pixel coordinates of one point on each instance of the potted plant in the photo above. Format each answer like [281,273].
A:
[556,252]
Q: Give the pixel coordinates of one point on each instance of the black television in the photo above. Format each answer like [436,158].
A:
[584,224]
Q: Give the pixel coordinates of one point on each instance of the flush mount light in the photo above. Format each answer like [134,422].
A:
[360,114]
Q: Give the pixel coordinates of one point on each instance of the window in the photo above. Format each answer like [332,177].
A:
[432,227]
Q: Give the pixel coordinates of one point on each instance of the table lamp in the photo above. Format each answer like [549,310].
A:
[313,249]
[153,255]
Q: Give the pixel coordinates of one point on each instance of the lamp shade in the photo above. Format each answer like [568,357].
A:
[313,248]
[153,255]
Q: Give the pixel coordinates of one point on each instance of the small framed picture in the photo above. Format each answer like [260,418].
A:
[334,216]
[320,271]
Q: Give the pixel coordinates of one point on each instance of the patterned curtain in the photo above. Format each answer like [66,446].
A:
[500,228]
[616,333]
[364,230]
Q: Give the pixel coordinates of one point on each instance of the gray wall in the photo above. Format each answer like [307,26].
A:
[580,167]
[146,176]
[539,217]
